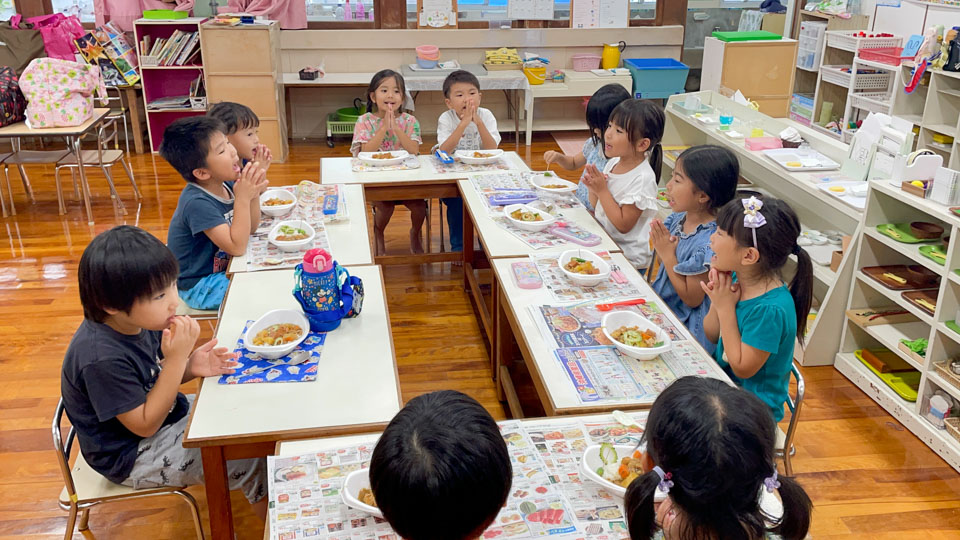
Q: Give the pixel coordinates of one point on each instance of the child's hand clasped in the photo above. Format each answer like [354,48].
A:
[263,156]
[252,182]
[724,293]
[595,180]
[663,242]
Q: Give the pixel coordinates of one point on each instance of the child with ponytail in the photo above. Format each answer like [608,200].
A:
[710,451]
[754,318]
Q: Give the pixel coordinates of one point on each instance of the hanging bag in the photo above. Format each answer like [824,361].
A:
[328,297]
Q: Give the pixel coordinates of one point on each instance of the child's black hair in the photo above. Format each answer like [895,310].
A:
[642,119]
[601,104]
[717,443]
[121,266]
[776,241]
[186,143]
[235,116]
[714,170]
[441,470]
[378,79]
[460,76]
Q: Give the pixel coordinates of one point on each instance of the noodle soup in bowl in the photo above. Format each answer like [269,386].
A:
[277,333]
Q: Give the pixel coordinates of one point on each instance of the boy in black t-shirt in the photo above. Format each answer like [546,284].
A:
[124,366]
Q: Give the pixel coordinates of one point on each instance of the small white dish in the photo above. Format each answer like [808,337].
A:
[534,226]
[540,180]
[587,280]
[352,485]
[277,316]
[397,157]
[292,245]
[615,319]
[590,462]
[467,156]
[280,209]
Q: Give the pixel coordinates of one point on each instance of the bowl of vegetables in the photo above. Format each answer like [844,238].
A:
[528,218]
[551,183]
[277,333]
[277,202]
[614,467]
[292,235]
[584,267]
[635,336]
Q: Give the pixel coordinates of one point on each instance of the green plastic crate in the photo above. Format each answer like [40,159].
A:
[165,14]
[337,127]
[747,36]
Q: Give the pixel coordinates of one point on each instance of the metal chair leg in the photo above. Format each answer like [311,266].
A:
[194,511]
[84,519]
[26,183]
[76,187]
[129,171]
[113,191]
[6,178]
[56,177]
[3,201]
[71,522]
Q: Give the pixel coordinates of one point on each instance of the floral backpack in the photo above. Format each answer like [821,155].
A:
[60,92]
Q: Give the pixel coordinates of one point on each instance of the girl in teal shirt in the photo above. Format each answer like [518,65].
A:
[754,318]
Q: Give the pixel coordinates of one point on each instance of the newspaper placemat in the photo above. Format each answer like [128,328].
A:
[461,167]
[411,162]
[309,207]
[262,255]
[579,325]
[564,290]
[254,368]
[489,184]
[536,240]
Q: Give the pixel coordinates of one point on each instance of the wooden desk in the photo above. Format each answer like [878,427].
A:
[515,323]
[357,391]
[349,239]
[72,135]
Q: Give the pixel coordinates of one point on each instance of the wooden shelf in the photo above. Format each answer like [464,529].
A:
[943,384]
[889,335]
[894,296]
[191,66]
[943,129]
[907,250]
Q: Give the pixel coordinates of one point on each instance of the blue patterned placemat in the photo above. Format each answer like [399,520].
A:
[255,369]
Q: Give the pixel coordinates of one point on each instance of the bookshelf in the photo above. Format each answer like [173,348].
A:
[166,82]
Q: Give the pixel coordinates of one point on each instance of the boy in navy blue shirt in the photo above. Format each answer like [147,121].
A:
[123,369]
[218,209]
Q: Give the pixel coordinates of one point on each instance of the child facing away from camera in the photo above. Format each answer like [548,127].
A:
[601,104]
[124,366]
[710,451]
[242,129]
[218,210]
[441,468]
[754,318]
[465,126]
[704,179]
[625,193]
[384,128]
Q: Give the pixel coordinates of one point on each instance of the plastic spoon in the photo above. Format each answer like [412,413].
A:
[608,307]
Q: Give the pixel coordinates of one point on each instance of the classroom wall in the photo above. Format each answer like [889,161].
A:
[352,51]
[908,19]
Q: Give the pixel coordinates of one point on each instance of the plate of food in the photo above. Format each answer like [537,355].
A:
[584,267]
[635,336]
[478,157]
[277,333]
[382,159]
[356,493]
[277,202]
[292,235]
[550,182]
[614,467]
[528,218]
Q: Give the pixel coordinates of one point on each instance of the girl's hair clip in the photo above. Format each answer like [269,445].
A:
[752,218]
[771,482]
[665,482]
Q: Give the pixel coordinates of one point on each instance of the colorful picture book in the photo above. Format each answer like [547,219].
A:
[108,48]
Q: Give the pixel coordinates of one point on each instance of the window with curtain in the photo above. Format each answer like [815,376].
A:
[81,8]
[496,10]
[336,10]
[643,9]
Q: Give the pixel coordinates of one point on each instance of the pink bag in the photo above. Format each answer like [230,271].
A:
[59,92]
[58,33]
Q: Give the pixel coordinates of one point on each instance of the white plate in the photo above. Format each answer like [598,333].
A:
[808,160]
[279,210]
[615,319]
[590,462]
[352,485]
[277,316]
[587,280]
[534,226]
[466,156]
[539,180]
[850,195]
[292,245]
[398,157]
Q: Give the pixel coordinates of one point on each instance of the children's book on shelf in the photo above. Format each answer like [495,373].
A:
[181,48]
[108,48]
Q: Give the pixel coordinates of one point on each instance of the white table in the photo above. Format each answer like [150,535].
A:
[576,83]
[349,239]
[357,389]
[515,323]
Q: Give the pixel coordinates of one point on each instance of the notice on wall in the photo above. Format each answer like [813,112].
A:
[530,10]
[599,14]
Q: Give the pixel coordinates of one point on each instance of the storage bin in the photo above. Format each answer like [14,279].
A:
[885,55]
[657,78]
[847,41]
[535,75]
[585,62]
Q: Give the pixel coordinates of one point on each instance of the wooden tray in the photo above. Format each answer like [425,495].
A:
[901,233]
[906,350]
[937,254]
[952,325]
[914,276]
[881,315]
[922,299]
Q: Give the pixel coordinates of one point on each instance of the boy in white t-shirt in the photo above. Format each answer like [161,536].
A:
[466,126]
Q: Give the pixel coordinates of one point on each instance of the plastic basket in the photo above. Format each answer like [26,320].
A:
[865,81]
[535,75]
[847,41]
[836,75]
[657,78]
[428,52]
[339,127]
[585,62]
[885,55]
[876,102]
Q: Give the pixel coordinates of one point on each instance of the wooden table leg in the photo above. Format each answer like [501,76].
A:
[218,492]
[467,248]
[130,93]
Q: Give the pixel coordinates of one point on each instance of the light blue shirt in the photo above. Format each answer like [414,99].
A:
[594,155]
[693,258]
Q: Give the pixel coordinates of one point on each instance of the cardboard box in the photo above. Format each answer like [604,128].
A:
[837,257]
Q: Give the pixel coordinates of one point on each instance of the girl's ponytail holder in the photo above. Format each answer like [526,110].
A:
[771,482]
[665,482]
[752,218]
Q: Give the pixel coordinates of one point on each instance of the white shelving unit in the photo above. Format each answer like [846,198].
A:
[886,203]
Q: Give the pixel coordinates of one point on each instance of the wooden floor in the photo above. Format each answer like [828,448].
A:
[867,475]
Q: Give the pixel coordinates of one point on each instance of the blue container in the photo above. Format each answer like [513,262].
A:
[657,78]
[427,64]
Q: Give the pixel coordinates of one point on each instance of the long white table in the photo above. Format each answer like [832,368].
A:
[349,239]
[356,391]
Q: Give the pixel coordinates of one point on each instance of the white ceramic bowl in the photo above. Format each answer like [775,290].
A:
[587,280]
[549,178]
[398,157]
[277,316]
[590,462]
[352,485]
[534,226]
[615,319]
[292,245]
[466,156]
[281,209]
